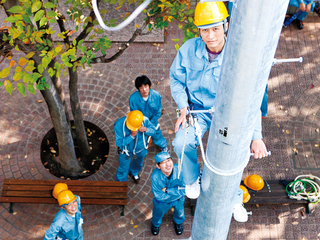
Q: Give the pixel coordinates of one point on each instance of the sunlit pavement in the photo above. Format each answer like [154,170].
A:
[104,89]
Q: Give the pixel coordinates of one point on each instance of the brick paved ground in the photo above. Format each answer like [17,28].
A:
[293,114]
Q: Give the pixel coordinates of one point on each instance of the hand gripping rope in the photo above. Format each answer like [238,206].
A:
[304,187]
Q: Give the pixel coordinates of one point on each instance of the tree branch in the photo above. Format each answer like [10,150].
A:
[84,32]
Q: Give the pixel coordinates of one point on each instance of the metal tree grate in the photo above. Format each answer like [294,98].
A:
[305,154]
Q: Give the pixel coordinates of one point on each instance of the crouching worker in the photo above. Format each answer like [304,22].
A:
[67,224]
[168,192]
[131,135]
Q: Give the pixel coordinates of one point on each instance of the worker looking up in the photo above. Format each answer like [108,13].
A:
[149,102]
[168,192]
[131,139]
[67,224]
[194,75]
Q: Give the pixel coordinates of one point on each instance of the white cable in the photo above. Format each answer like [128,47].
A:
[298,186]
[212,168]
[125,22]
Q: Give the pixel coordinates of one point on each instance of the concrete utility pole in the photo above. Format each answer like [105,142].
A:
[252,41]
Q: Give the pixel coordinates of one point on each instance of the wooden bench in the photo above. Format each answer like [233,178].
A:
[277,195]
[39,191]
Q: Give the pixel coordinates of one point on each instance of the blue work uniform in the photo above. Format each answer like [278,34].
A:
[173,197]
[296,3]
[130,147]
[65,226]
[151,108]
[194,83]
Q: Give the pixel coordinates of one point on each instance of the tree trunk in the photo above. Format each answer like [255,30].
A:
[67,156]
[81,135]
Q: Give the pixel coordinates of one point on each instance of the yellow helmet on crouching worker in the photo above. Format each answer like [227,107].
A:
[254,182]
[134,120]
[246,194]
[59,187]
[66,197]
[210,14]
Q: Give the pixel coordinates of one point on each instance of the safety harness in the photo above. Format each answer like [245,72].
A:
[304,187]
[125,150]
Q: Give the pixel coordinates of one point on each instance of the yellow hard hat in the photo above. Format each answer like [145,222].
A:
[209,12]
[134,120]
[246,194]
[59,187]
[66,197]
[254,182]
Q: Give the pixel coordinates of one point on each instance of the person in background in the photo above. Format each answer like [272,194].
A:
[149,102]
[131,138]
[67,224]
[168,192]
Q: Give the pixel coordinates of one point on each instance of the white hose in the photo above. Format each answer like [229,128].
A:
[125,22]
[212,168]
[298,187]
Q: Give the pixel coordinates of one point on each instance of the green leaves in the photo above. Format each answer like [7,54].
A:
[38,15]
[8,86]
[21,89]
[12,19]
[31,89]
[5,72]
[49,5]
[16,9]
[36,6]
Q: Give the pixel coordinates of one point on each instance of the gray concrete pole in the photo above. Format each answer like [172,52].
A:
[252,40]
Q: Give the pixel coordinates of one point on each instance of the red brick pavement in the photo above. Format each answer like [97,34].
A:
[104,91]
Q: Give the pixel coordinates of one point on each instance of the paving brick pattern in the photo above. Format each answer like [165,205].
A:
[104,89]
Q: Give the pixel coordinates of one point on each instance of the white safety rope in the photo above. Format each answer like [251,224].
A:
[299,191]
[125,22]
[125,150]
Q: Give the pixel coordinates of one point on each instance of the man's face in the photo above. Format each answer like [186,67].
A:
[166,166]
[144,90]
[213,37]
[71,208]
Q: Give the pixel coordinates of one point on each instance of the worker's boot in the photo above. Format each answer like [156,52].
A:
[317,9]
[178,228]
[193,190]
[154,230]
[299,24]
[240,213]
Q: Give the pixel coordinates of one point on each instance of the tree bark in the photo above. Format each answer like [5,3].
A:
[81,135]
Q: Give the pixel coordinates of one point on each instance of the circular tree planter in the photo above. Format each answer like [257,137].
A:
[92,162]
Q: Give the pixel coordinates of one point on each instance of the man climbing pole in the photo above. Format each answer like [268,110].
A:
[149,102]
[194,75]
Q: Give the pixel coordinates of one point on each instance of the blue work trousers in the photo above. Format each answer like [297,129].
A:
[296,3]
[190,165]
[125,166]
[160,208]
[264,104]
[158,139]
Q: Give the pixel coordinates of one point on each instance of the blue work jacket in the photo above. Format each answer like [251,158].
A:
[194,80]
[151,108]
[159,181]
[124,139]
[65,226]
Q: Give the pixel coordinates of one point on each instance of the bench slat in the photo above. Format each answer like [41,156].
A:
[47,194]
[68,182]
[71,188]
[54,201]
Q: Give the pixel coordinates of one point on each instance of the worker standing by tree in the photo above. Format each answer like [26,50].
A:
[149,102]
[195,75]
[131,139]
[67,224]
[168,193]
